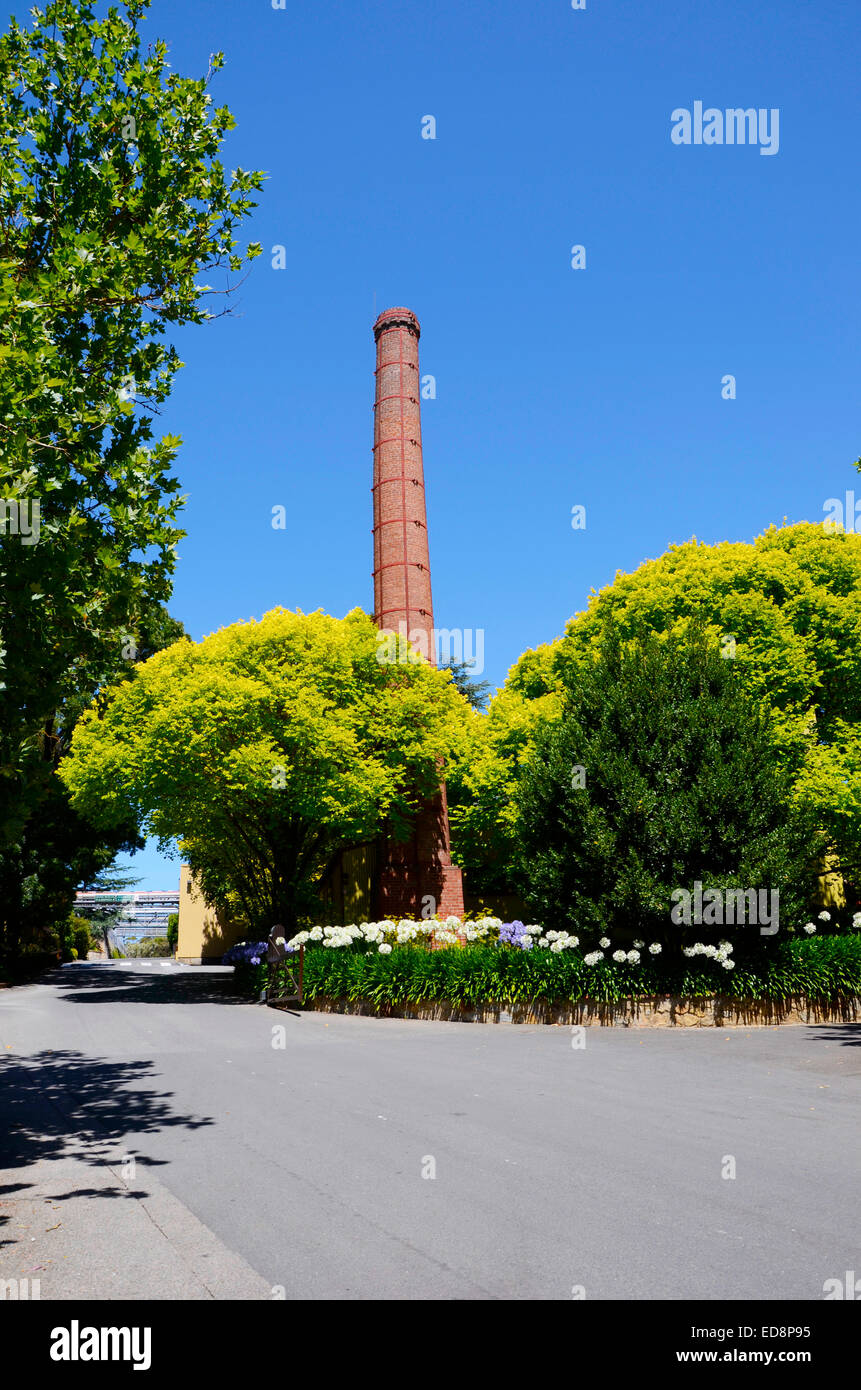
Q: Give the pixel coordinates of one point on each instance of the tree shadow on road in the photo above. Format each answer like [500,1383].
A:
[847,1034]
[65,1104]
[113,985]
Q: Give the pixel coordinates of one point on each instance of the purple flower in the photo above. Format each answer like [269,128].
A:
[245,953]
[515,934]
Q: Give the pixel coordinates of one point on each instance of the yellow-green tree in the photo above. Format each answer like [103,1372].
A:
[786,610]
[480,782]
[115,210]
[265,748]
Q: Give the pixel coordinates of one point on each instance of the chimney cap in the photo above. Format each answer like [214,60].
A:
[394,318]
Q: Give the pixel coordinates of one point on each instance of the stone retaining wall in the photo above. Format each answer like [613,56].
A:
[660,1011]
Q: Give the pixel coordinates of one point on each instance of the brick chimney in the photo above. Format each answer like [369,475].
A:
[419,870]
[402,583]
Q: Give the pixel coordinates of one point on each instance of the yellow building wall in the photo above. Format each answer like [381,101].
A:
[203,933]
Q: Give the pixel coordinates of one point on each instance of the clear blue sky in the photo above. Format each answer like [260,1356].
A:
[555,387]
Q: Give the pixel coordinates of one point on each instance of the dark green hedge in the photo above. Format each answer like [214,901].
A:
[824,968]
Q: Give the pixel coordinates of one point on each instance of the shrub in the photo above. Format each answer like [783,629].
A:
[150,946]
[28,963]
[82,937]
[660,772]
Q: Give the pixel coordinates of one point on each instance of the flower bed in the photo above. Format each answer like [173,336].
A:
[389,965]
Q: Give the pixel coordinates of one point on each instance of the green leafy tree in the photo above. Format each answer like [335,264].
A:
[661,771]
[786,614]
[263,750]
[476,692]
[480,781]
[55,851]
[113,204]
[786,611]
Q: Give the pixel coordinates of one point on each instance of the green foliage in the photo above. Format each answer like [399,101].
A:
[792,604]
[173,930]
[826,969]
[480,782]
[265,748]
[660,772]
[30,962]
[78,931]
[54,851]
[476,692]
[148,947]
[113,204]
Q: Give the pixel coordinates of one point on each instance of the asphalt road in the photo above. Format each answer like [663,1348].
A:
[394,1159]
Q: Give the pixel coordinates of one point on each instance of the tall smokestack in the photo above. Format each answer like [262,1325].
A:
[402,583]
[416,878]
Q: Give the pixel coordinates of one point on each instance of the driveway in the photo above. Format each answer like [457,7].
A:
[163,1139]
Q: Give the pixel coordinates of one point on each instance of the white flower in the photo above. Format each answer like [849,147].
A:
[573,941]
[619,956]
[604,942]
[478,930]
[543,941]
[810,928]
[655,948]
[316,934]
[825,916]
[449,938]
[638,945]
[556,946]
[593,958]
[725,946]
[279,941]
[633,957]
[384,948]
[728,964]
[856,921]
